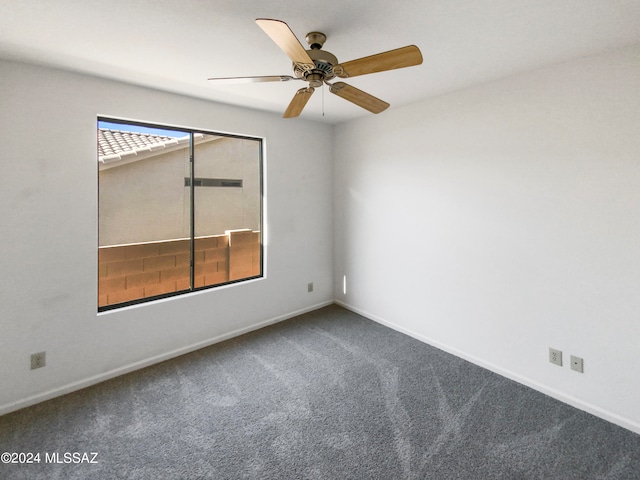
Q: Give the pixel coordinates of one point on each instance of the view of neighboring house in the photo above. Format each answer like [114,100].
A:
[145,214]
[144,195]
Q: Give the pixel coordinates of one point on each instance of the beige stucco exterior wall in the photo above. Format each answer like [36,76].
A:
[147,200]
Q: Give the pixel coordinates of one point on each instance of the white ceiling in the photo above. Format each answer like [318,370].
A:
[176,45]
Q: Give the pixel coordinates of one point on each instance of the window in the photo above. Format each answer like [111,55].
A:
[179,210]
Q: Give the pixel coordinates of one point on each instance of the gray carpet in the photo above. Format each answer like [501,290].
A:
[327,395]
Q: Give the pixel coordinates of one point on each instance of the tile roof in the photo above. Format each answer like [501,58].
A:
[119,147]
[117,144]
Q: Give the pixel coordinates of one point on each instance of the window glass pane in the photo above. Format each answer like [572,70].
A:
[159,210]
[144,225]
[227,209]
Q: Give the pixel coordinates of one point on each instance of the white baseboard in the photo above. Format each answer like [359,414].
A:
[87,382]
[574,402]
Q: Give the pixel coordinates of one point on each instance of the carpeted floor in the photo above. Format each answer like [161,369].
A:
[327,395]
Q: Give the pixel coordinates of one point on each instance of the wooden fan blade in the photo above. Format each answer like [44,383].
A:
[262,78]
[282,35]
[398,58]
[357,96]
[298,102]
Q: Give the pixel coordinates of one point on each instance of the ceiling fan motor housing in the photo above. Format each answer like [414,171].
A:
[323,61]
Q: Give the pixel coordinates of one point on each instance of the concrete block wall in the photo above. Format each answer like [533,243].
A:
[244,254]
[134,271]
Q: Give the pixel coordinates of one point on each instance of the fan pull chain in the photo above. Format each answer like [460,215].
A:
[323,100]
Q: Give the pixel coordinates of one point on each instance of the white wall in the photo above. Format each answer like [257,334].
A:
[505,219]
[48,209]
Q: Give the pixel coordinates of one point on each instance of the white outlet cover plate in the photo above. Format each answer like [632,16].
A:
[555,356]
[577,364]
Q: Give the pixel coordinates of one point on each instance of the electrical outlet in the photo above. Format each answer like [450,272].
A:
[38,360]
[577,364]
[555,356]
[310,287]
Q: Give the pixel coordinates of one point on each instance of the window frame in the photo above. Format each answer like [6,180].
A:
[192,186]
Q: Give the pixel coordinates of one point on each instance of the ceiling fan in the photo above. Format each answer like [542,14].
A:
[317,67]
